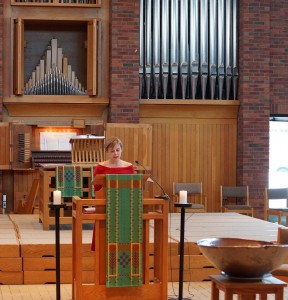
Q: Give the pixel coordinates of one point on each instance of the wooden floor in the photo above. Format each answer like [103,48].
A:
[199,291]
[191,290]
[24,233]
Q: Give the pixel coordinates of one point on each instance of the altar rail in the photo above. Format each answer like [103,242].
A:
[155,215]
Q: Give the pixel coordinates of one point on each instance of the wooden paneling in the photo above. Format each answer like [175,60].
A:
[22,184]
[53,107]
[92,55]
[187,148]
[4,146]
[19,57]
[136,139]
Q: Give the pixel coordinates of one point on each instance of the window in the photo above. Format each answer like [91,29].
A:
[278,149]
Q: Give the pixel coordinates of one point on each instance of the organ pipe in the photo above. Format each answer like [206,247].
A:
[228,46]
[174,45]
[235,47]
[194,46]
[148,46]
[204,45]
[221,48]
[156,46]
[184,43]
[165,45]
[53,76]
[212,46]
[188,49]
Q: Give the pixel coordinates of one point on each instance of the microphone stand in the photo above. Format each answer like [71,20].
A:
[165,196]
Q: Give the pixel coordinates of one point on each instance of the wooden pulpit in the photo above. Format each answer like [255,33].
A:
[154,249]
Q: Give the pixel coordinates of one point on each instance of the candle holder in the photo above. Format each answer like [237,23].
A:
[57,207]
[183,206]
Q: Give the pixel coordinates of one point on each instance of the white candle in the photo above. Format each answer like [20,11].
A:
[183,197]
[56,197]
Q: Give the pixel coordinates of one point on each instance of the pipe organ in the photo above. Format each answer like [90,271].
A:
[53,75]
[188,49]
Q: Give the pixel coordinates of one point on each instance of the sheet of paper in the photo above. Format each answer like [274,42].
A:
[58,141]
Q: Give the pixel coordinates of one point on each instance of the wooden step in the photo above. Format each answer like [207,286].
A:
[45,277]
[11,264]
[49,263]
[9,250]
[11,277]
[48,250]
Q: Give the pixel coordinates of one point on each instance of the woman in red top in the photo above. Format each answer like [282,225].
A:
[114,165]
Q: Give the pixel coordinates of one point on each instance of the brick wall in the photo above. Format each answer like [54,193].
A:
[124,94]
[254,94]
[263,88]
[279,57]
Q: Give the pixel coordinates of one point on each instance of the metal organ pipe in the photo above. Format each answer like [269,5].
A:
[228,46]
[204,45]
[148,46]
[221,48]
[212,46]
[156,46]
[235,47]
[194,46]
[51,80]
[165,46]
[182,41]
[174,45]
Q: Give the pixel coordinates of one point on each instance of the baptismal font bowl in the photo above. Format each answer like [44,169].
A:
[242,258]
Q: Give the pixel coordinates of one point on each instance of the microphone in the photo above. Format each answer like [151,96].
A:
[164,196]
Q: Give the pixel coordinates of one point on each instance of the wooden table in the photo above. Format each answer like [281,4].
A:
[246,290]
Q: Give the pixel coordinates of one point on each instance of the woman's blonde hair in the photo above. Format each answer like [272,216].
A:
[111,142]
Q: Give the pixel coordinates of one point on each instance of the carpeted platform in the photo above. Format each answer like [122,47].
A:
[27,252]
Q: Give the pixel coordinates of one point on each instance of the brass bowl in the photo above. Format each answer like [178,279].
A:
[243,258]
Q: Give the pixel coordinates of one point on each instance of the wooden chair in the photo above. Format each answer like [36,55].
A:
[235,199]
[29,205]
[273,195]
[194,195]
